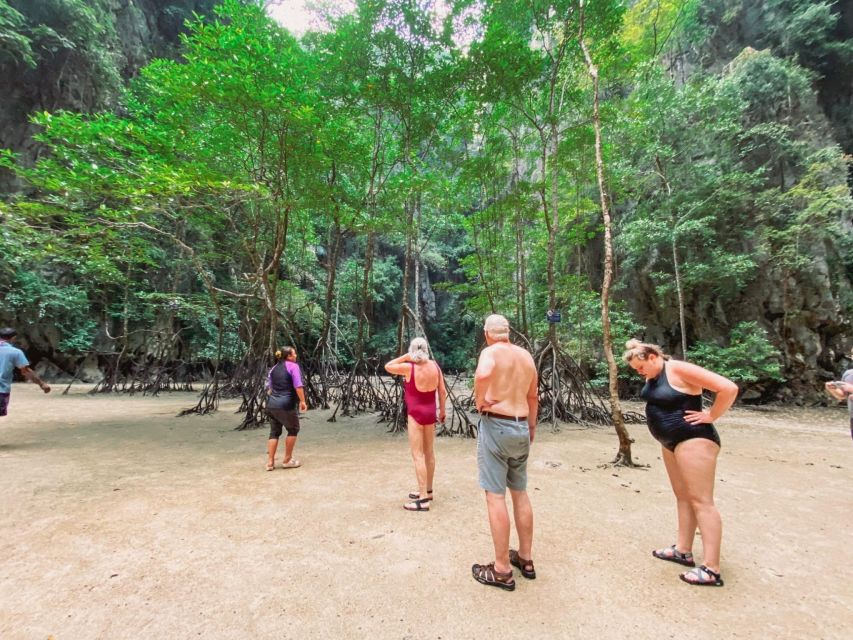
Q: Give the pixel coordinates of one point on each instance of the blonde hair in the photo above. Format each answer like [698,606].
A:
[419,350]
[642,351]
[497,327]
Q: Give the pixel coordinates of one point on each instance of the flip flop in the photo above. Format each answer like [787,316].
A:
[293,464]
[414,495]
[419,505]
[270,467]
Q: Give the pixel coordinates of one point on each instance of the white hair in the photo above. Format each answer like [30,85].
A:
[419,350]
[497,327]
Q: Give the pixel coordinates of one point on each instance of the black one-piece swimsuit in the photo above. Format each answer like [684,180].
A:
[665,413]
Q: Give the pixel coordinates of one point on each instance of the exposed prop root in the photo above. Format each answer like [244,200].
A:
[565,394]
[150,377]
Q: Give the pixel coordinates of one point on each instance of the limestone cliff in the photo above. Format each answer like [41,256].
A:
[76,55]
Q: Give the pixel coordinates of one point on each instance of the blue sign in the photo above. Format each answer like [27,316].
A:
[553,316]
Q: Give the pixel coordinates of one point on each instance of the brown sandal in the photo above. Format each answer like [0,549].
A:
[486,574]
[525,566]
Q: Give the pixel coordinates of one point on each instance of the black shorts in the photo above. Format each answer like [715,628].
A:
[4,403]
[287,418]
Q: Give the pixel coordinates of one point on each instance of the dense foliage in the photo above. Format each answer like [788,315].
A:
[421,164]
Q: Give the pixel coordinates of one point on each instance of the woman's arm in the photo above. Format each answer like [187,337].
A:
[400,366]
[442,395]
[300,393]
[725,391]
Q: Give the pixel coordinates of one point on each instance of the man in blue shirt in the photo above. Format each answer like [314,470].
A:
[11,358]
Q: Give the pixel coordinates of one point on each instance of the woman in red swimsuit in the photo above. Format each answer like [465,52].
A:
[423,378]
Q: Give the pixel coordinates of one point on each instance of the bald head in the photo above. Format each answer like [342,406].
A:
[497,327]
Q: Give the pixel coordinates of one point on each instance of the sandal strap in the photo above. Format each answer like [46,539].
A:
[683,555]
[527,565]
[710,572]
[710,575]
[488,572]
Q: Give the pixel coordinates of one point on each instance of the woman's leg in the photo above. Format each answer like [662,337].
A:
[291,423]
[686,515]
[272,445]
[416,444]
[289,443]
[429,455]
[697,463]
[272,442]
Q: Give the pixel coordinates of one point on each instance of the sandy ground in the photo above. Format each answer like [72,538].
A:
[121,521]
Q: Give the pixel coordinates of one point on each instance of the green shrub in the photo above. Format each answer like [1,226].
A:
[750,356]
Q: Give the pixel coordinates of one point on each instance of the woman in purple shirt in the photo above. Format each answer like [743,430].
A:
[284,387]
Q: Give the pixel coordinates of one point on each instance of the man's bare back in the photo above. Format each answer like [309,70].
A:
[505,382]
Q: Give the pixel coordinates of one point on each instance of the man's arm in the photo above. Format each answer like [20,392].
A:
[839,389]
[32,376]
[485,367]
[533,404]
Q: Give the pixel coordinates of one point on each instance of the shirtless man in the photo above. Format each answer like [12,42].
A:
[506,395]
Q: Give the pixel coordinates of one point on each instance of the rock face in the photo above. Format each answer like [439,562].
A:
[816,34]
[803,316]
[81,53]
[805,312]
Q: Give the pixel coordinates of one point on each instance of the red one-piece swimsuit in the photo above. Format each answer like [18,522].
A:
[420,405]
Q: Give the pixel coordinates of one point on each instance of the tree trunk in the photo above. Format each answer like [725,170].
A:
[553,225]
[401,328]
[624,455]
[475,238]
[416,256]
[331,275]
[680,291]
[366,298]
[521,279]
[682,323]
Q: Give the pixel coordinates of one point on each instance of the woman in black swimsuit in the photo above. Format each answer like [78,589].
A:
[690,445]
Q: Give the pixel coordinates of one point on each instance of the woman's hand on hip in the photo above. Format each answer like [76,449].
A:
[698,417]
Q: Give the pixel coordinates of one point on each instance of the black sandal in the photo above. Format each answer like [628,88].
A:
[713,578]
[486,574]
[525,566]
[419,505]
[681,557]
[414,495]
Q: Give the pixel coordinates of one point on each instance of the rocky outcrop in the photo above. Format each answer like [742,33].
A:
[82,53]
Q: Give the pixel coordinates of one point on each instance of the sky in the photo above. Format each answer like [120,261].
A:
[299,16]
[296,15]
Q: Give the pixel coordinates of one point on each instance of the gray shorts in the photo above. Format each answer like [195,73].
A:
[502,449]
